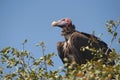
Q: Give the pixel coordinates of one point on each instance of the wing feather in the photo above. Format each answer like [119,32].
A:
[72,49]
[80,41]
[60,50]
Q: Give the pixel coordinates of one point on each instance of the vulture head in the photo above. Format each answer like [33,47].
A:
[65,22]
[67,27]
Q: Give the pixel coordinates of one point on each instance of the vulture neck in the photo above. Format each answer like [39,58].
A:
[67,31]
[67,37]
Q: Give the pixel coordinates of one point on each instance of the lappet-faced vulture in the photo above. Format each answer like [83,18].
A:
[79,47]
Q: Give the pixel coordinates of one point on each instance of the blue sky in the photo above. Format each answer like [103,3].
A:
[31,19]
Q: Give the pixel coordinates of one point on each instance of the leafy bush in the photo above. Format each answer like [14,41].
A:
[20,65]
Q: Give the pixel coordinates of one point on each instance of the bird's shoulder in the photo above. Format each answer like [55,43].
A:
[86,36]
[78,34]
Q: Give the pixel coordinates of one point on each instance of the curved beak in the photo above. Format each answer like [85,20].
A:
[58,23]
[54,23]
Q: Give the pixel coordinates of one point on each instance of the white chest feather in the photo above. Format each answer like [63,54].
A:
[66,44]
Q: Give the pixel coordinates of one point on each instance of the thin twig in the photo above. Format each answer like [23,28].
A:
[113,37]
[43,51]
[22,55]
[42,44]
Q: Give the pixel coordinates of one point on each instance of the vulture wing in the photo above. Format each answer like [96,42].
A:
[102,43]
[60,50]
[79,40]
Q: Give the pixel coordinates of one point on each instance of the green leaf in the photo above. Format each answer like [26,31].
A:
[25,41]
[42,43]
[1,70]
[3,59]
[115,34]
[50,62]
[119,40]
[37,62]
[15,52]
[5,51]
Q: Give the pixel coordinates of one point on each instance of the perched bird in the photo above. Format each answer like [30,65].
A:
[79,47]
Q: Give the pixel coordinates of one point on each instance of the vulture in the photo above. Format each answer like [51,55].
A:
[79,47]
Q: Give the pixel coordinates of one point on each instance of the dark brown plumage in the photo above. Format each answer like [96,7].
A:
[79,46]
